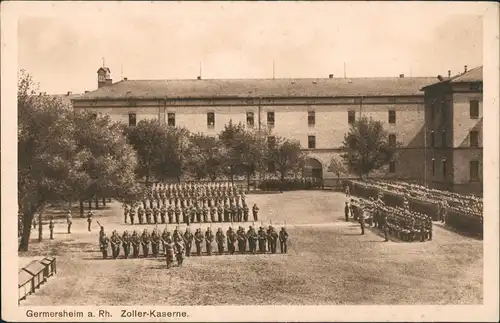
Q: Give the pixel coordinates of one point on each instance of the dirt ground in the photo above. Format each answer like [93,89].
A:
[328,263]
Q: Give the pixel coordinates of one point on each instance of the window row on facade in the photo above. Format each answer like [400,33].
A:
[250,118]
[442,165]
[473,139]
[442,108]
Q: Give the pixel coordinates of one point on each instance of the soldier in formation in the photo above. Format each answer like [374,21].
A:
[69,220]
[283,240]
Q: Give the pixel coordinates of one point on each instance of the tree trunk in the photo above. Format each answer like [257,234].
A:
[96,202]
[248,180]
[40,228]
[147,180]
[28,213]
[103,201]
[81,208]
[90,205]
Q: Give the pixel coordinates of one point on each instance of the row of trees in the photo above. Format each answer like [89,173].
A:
[70,156]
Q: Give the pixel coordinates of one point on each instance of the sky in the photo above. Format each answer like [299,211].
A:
[63,45]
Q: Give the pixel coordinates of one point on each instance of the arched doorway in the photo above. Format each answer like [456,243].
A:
[313,169]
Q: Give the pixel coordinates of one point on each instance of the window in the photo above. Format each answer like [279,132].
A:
[443,162]
[433,167]
[351,117]
[250,121]
[443,138]
[311,142]
[433,110]
[392,116]
[392,167]
[311,118]
[474,109]
[476,87]
[392,140]
[474,170]
[474,138]
[271,167]
[132,121]
[210,119]
[270,119]
[101,78]
[271,142]
[433,139]
[171,119]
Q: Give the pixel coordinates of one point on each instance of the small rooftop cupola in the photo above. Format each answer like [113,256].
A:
[103,77]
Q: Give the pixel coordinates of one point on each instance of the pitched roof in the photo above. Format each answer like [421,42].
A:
[65,98]
[266,88]
[473,75]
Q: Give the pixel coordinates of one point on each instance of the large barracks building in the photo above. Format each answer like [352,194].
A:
[316,112]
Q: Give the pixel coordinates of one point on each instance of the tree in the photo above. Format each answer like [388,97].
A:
[366,147]
[206,159]
[286,156]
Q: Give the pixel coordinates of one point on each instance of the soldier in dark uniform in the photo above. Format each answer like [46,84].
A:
[188,241]
[234,214]
[89,220]
[239,211]
[136,242]
[231,240]
[252,240]
[145,239]
[155,243]
[226,213]
[255,211]
[429,227]
[383,223]
[219,238]
[126,243]
[283,240]
[169,251]
[69,220]
[220,212]
[192,214]
[156,213]
[51,228]
[115,244]
[163,213]
[213,212]
[209,238]
[125,212]
[170,212]
[177,236]
[362,217]
[262,240]
[103,245]
[205,214]
[245,212]
[179,252]
[140,213]
[273,238]
[346,211]
[132,214]
[148,215]
[242,240]
[198,240]
[177,212]
[198,214]
[165,234]
[101,232]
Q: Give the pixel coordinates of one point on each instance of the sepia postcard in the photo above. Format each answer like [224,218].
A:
[250,161]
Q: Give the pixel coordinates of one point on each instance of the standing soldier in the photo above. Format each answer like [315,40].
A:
[177,212]
[136,242]
[125,212]
[170,212]
[428,221]
[126,243]
[179,252]
[131,213]
[140,213]
[239,209]
[209,238]
[148,215]
[198,240]
[346,211]
[188,241]
[51,228]
[364,214]
[164,237]
[192,214]
[255,211]
[347,191]
[145,239]
[234,213]
[252,240]
[35,220]
[274,240]
[242,240]
[156,213]
[262,240]
[89,219]
[205,214]
[155,243]
[383,223]
[213,212]
[226,213]
[163,213]
[177,236]
[219,238]
[69,220]
[245,211]
[198,214]
[283,240]
[115,244]
[169,252]
[103,245]
[231,240]
[220,212]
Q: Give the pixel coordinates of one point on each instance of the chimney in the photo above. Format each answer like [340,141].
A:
[440,77]
[330,76]
[87,91]
[199,78]
[125,78]
[449,73]
[69,93]
[401,76]
[465,69]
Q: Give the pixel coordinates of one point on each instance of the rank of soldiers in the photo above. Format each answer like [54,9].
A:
[399,222]
[180,244]
[191,203]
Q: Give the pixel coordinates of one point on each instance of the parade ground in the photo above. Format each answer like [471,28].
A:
[328,263]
